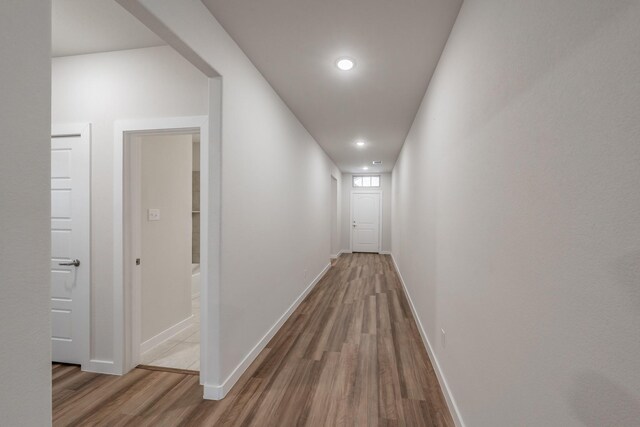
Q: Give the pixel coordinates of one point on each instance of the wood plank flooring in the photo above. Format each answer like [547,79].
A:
[350,355]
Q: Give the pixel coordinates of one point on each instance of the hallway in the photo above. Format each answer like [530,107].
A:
[349,355]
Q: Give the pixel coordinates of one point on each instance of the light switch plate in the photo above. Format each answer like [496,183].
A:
[153,215]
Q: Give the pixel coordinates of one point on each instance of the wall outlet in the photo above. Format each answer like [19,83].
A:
[153,215]
[443,338]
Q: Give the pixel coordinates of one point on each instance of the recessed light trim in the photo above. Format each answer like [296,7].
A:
[345,64]
[360,143]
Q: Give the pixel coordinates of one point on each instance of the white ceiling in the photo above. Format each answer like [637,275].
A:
[90,26]
[396,45]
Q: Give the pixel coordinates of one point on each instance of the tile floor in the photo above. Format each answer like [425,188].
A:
[182,351]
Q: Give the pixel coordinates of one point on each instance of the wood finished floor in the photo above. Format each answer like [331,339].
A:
[350,355]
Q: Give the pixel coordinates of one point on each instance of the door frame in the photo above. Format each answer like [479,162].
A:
[336,228]
[82,131]
[380,192]
[126,290]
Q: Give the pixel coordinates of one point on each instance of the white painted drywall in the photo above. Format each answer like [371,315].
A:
[275,191]
[25,333]
[100,89]
[516,215]
[347,188]
[166,178]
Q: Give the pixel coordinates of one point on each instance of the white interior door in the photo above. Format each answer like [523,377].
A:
[365,222]
[70,244]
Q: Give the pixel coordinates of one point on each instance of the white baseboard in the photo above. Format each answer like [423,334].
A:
[166,334]
[385,253]
[214,392]
[451,402]
[217,392]
[343,251]
[100,367]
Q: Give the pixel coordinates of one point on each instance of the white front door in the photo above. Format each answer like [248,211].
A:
[70,244]
[365,222]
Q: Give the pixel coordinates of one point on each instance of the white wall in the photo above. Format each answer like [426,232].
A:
[516,219]
[25,370]
[100,89]
[275,192]
[166,176]
[347,188]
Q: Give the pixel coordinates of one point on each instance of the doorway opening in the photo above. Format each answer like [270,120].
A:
[163,177]
[158,301]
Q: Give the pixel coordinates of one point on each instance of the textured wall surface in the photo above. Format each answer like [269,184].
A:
[517,212]
[25,215]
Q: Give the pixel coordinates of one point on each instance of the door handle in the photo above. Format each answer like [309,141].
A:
[75,263]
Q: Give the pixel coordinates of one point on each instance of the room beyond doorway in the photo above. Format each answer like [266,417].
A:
[165,244]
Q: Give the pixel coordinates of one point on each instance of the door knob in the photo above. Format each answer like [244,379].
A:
[75,263]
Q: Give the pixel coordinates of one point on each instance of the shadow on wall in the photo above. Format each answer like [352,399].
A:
[597,401]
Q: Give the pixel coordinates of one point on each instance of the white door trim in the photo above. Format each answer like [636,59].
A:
[83,131]
[351,217]
[126,297]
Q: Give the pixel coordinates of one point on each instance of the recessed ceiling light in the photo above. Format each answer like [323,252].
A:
[365,168]
[345,64]
[360,143]
[376,162]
